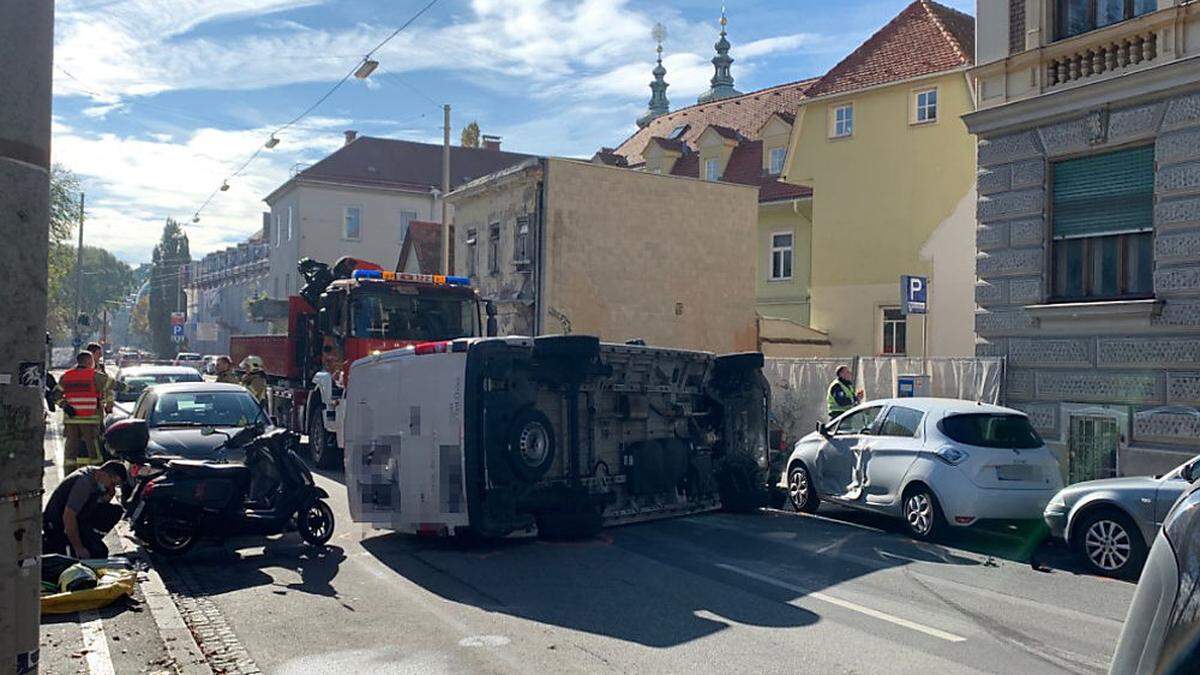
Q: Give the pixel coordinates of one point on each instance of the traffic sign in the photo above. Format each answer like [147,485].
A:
[913,294]
[178,337]
[177,330]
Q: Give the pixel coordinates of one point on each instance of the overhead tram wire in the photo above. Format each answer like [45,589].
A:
[324,97]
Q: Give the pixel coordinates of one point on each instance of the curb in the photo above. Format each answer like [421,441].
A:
[176,636]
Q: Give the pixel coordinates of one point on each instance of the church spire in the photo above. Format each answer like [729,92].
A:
[659,105]
[722,80]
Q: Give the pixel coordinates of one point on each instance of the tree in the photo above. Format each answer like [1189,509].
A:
[470,135]
[166,294]
[64,215]
[139,318]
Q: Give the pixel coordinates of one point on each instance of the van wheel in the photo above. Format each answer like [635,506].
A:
[325,454]
[801,492]
[922,514]
[1110,544]
[531,445]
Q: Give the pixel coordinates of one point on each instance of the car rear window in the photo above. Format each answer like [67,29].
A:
[991,430]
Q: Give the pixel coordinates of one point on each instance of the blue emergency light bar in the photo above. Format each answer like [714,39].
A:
[437,279]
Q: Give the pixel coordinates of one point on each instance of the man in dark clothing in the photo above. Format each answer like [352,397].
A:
[79,512]
[841,395]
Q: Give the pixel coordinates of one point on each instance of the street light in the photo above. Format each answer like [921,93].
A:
[224,186]
[196,218]
[272,142]
[365,69]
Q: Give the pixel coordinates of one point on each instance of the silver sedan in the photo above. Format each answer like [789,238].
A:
[1109,522]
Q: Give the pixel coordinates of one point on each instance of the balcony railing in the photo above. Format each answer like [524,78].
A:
[1111,55]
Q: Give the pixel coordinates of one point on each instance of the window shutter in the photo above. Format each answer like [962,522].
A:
[1016,26]
[1104,194]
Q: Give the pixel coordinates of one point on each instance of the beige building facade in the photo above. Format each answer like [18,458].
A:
[565,246]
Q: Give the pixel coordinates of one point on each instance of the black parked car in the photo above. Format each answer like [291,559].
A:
[177,414]
[1162,630]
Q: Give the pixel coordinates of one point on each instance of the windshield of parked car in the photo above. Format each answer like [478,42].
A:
[991,430]
[384,315]
[137,382]
[209,408]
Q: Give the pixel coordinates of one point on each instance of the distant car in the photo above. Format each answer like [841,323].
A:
[137,378]
[177,413]
[1161,633]
[1109,522]
[189,359]
[932,462]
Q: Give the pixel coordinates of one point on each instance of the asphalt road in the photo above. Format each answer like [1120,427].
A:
[768,592]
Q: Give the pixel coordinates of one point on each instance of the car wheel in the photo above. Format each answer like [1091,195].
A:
[922,515]
[320,446]
[801,492]
[1110,544]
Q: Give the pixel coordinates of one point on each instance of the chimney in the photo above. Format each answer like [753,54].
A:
[350,136]
[491,142]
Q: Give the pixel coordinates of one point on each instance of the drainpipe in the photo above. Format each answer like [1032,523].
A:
[539,264]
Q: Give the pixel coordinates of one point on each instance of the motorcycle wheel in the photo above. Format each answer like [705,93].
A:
[315,523]
[171,536]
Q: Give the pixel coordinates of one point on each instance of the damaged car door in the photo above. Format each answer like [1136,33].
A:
[839,458]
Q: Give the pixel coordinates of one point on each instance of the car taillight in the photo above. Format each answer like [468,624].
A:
[149,488]
[134,470]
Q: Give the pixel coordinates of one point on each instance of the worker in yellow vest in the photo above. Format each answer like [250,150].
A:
[841,395]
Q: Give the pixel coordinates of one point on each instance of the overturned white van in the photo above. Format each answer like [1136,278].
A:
[558,435]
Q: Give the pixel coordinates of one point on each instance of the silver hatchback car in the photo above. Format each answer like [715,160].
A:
[1109,522]
[935,463]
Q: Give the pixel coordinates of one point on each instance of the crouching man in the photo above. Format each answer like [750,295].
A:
[80,511]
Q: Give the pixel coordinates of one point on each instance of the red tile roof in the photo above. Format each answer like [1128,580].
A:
[744,114]
[745,168]
[424,239]
[923,39]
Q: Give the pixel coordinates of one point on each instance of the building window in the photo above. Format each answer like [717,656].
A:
[776,157]
[352,224]
[1102,226]
[290,226]
[712,169]
[895,332]
[843,121]
[278,229]
[1080,16]
[926,106]
[781,256]
[406,217]
[521,240]
[494,248]
[1016,26]
[471,253]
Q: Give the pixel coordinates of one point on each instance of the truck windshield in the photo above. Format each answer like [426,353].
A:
[421,317]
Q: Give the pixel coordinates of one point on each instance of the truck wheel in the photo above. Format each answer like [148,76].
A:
[531,445]
[325,454]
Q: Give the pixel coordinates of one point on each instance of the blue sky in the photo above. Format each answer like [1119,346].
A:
[157,101]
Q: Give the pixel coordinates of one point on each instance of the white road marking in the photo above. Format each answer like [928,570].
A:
[827,519]
[846,604]
[95,644]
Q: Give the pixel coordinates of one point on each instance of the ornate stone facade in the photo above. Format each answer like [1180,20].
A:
[1145,364]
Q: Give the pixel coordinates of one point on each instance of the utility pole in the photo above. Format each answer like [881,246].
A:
[26,61]
[77,338]
[446,243]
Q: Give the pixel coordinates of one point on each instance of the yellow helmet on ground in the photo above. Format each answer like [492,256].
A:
[77,577]
[252,364]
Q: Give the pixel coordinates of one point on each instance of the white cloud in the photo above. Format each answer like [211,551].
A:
[780,44]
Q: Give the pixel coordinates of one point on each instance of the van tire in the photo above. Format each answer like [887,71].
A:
[585,348]
[321,446]
[531,445]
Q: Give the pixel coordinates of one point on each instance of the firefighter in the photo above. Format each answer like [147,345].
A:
[841,395]
[108,392]
[254,378]
[224,370]
[81,392]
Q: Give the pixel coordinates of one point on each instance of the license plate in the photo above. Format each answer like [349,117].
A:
[137,511]
[1022,472]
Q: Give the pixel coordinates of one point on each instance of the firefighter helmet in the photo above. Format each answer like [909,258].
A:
[77,577]
[252,364]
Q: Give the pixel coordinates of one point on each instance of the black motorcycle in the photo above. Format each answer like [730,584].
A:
[179,501]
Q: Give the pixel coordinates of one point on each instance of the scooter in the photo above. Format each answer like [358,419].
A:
[272,492]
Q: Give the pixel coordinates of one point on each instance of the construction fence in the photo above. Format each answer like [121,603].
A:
[799,386]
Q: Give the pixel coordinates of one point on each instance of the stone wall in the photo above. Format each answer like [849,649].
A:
[1147,366]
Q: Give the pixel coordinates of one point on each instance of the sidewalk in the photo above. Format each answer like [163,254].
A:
[142,634]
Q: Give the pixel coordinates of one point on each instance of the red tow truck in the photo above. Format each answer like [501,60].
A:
[343,313]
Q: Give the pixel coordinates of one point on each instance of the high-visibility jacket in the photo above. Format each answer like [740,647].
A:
[836,408]
[80,390]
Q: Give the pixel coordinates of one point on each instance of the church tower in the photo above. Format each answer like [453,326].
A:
[722,80]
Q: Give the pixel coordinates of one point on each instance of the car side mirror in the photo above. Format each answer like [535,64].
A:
[207,431]
[1189,472]
[822,429]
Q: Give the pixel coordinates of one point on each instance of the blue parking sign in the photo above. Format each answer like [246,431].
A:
[913,293]
[177,329]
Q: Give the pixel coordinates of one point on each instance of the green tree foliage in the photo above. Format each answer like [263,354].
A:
[470,135]
[166,295]
[105,278]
